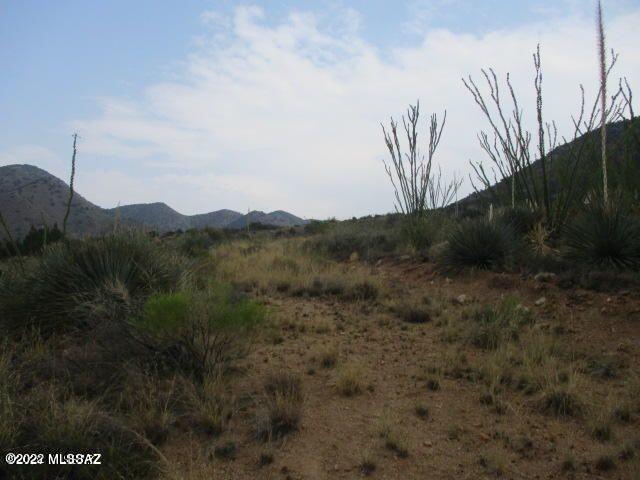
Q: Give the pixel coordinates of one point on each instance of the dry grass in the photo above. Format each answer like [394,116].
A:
[282,266]
[349,381]
[279,407]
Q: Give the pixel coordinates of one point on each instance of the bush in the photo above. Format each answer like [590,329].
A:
[194,243]
[79,281]
[203,332]
[604,237]
[480,243]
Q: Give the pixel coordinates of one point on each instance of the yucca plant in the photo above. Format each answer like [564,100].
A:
[605,236]
[480,243]
[75,281]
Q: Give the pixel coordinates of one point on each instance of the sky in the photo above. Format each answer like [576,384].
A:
[278,104]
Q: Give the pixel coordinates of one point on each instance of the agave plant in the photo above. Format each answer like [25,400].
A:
[480,243]
[604,236]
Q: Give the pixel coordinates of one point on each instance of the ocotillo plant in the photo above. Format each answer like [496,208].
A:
[73,175]
[417,188]
[602,57]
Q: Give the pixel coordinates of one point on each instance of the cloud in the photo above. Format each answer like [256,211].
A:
[287,114]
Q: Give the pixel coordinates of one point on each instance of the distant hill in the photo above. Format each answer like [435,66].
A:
[30,196]
[162,218]
[278,218]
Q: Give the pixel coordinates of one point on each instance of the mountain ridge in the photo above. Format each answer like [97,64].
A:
[31,196]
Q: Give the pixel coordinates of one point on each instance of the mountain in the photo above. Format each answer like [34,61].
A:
[155,216]
[219,219]
[162,218]
[278,218]
[30,196]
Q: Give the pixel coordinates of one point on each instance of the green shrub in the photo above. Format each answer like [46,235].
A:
[480,243]
[164,313]
[604,237]
[75,282]
[204,331]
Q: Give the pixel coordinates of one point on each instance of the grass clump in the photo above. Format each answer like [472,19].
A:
[479,243]
[328,357]
[280,409]
[349,382]
[490,326]
[560,399]
[395,444]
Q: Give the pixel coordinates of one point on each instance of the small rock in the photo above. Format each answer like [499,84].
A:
[461,299]
[404,258]
[544,277]
[541,301]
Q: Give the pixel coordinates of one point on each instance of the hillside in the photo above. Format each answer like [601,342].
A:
[30,196]
[623,151]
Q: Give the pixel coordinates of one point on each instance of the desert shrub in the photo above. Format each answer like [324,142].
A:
[606,237]
[203,331]
[490,326]
[33,243]
[479,243]
[315,227]
[79,281]
[194,243]
[522,220]
[368,243]
[280,407]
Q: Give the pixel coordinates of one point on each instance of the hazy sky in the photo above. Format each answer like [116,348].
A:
[275,104]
